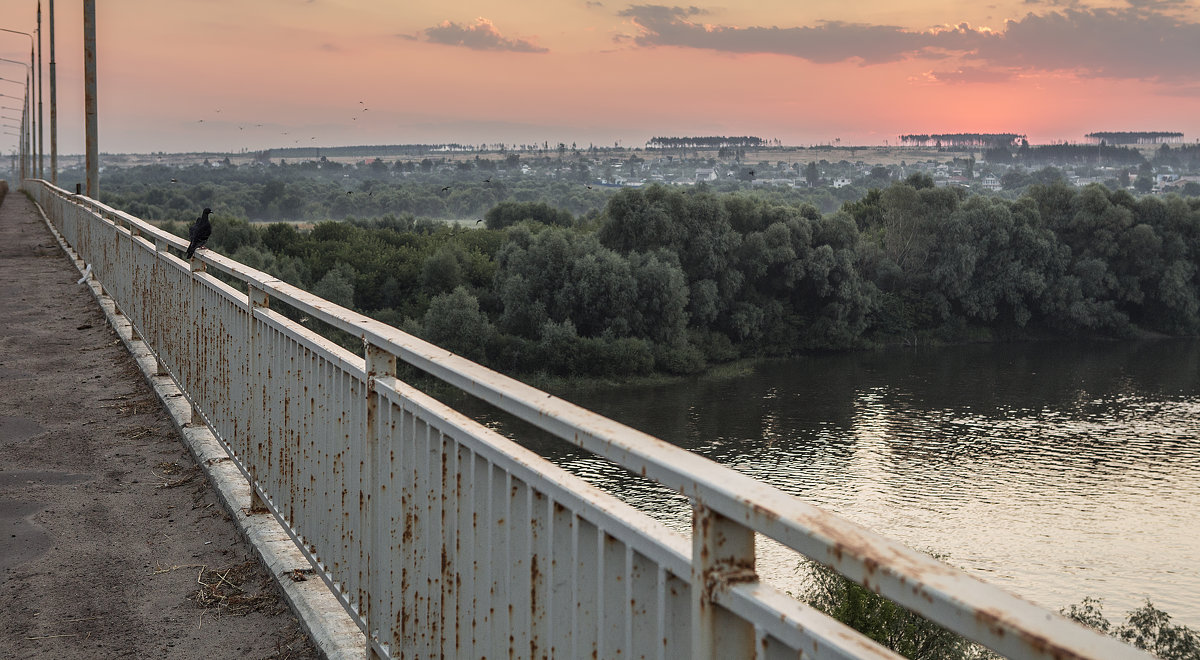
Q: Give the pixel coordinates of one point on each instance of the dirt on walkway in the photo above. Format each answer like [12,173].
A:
[112,544]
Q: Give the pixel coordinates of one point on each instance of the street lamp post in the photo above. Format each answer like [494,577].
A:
[53,106]
[34,149]
[89,99]
[19,135]
[26,115]
[41,124]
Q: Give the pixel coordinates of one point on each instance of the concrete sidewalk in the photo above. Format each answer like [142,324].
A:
[112,542]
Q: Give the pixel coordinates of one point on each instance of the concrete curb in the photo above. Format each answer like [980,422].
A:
[322,616]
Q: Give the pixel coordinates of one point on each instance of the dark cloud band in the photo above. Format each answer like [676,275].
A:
[480,36]
[1145,40]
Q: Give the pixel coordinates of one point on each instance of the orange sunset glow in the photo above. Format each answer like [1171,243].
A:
[226,75]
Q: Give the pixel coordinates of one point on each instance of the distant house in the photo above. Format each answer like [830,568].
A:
[841,182]
[706,175]
[991,183]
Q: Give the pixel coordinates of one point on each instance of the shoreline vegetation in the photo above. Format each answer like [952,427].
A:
[913,636]
[665,281]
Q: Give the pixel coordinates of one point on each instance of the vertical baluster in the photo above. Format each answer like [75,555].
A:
[722,553]
[380,365]
[256,299]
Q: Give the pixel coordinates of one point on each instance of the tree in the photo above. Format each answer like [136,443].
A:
[812,175]
[337,285]
[507,214]
[1144,183]
[883,621]
[455,322]
[1147,628]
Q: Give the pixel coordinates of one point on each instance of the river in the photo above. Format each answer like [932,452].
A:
[1053,470]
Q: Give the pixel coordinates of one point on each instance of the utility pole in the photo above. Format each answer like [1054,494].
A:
[41,136]
[89,97]
[53,106]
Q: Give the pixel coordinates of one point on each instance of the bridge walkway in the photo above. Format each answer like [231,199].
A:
[107,525]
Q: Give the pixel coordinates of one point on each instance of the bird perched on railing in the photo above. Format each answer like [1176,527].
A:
[199,233]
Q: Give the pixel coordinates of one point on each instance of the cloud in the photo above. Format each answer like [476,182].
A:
[1133,43]
[971,74]
[826,42]
[480,36]
[1147,40]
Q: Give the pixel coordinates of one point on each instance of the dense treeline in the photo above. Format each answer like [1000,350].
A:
[1186,157]
[672,280]
[1134,137]
[708,142]
[1068,154]
[963,139]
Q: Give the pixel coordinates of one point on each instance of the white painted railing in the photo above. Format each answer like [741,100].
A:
[443,538]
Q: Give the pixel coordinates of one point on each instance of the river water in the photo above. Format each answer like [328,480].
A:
[1055,471]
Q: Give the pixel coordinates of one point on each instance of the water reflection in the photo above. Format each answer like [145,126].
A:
[1056,471]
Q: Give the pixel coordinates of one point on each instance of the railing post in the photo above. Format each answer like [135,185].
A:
[722,554]
[160,369]
[256,298]
[119,238]
[195,266]
[379,364]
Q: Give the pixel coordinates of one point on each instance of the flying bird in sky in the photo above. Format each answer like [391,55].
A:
[199,233]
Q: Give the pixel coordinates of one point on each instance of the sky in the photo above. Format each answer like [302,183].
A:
[231,75]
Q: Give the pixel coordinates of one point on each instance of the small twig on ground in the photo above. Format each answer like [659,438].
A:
[160,571]
[178,482]
[52,636]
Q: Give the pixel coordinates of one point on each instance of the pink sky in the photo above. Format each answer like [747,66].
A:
[227,75]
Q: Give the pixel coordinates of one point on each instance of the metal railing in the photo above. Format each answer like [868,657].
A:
[443,538]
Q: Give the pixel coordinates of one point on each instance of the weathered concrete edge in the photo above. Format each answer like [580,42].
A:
[322,616]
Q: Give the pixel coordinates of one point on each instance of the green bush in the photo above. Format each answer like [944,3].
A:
[1147,628]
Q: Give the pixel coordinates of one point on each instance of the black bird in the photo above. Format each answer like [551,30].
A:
[199,233]
[444,189]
